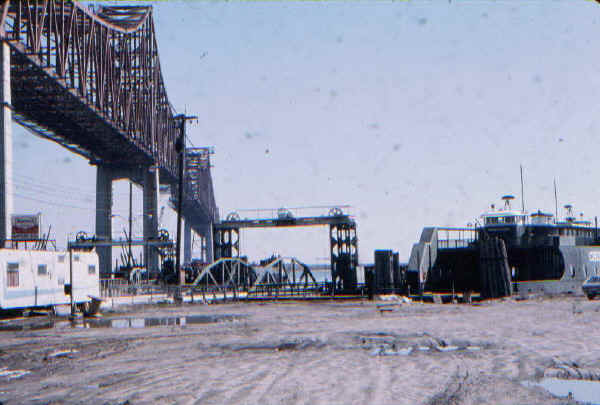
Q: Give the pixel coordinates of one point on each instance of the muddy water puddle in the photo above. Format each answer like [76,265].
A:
[584,391]
[118,323]
[381,344]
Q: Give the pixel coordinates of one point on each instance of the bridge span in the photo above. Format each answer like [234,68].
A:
[90,80]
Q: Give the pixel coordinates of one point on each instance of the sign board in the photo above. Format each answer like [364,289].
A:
[26,227]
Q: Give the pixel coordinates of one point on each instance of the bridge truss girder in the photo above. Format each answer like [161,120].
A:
[90,81]
[234,273]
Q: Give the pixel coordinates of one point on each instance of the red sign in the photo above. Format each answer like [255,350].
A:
[25,227]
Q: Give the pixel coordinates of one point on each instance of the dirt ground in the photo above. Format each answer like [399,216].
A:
[352,352]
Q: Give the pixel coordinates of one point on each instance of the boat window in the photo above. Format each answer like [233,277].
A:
[61,281]
[12,274]
[509,220]
[491,221]
[42,270]
[61,258]
[572,271]
[76,258]
[92,269]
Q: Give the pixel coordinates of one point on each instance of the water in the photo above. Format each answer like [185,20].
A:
[324,275]
[119,323]
[124,323]
[582,390]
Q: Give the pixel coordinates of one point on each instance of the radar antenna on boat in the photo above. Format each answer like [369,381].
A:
[570,216]
[507,199]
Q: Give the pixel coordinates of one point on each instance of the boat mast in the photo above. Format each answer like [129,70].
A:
[522,192]
[555,202]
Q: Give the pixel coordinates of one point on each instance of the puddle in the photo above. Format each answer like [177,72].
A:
[11,374]
[62,353]
[124,323]
[444,349]
[120,323]
[26,326]
[383,344]
[585,391]
[382,351]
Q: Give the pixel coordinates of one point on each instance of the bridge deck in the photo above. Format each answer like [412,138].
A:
[45,105]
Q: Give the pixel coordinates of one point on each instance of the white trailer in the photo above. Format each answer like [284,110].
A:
[36,278]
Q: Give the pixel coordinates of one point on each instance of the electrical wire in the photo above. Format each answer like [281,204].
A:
[56,186]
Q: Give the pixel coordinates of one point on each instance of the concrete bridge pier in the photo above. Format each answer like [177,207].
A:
[6,190]
[151,179]
[206,239]
[187,242]
[209,243]
[104,178]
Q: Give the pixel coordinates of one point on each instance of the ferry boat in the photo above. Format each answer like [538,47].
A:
[542,254]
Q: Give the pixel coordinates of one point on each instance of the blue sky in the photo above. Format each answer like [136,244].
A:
[416,113]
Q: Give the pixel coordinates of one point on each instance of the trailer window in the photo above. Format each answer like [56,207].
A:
[42,270]
[91,269]
[12,274]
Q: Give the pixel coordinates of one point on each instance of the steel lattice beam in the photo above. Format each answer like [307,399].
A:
[90,79]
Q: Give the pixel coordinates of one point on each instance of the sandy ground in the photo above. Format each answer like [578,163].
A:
[311,353]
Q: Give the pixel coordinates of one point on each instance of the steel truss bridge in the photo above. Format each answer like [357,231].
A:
[90,79]
[235,273]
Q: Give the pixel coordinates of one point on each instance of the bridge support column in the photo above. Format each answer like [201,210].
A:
[187,242]
[6,199]
[151,204]
[207,243]
[104,179]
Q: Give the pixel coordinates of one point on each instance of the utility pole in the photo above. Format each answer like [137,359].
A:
[180,149]
[130,257]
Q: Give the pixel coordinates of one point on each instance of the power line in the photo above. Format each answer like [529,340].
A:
[51,202]
[56,186]
[59,204]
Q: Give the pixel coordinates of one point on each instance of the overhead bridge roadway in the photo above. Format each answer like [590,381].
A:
[90,80]
[343,240]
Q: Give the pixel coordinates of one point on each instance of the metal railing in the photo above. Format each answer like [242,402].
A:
[122,288]
[113,288]
[454,238]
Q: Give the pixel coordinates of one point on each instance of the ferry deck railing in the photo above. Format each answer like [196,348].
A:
[456,238]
